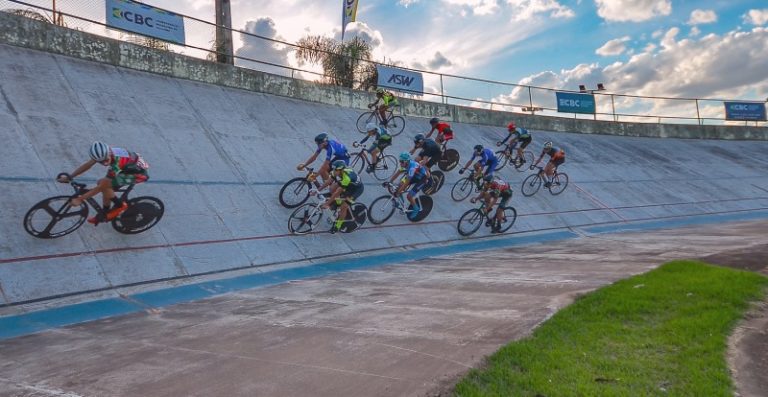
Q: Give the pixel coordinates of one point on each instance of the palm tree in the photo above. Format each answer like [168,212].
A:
[347,64]
[32,14]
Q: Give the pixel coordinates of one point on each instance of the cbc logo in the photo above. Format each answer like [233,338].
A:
[133,17]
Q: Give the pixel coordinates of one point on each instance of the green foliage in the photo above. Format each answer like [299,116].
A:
[344,63]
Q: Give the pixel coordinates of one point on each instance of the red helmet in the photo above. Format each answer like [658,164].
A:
[511,126]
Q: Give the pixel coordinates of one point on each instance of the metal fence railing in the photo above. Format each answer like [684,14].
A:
[274,56]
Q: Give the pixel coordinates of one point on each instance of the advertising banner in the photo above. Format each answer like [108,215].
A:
[570,102]
[745,111]
[145,20]
[348,14]
[400,79]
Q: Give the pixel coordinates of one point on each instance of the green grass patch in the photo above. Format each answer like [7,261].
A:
[661,333]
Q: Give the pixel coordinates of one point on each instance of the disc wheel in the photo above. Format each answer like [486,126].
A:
[54,217]
[356,216]
[294,193]
[449,160]
[470,222]
[426,204]
[141,215]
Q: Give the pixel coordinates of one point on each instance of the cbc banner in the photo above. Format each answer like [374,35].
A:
[570,102]
[745,111]
[145,20]
[400,79]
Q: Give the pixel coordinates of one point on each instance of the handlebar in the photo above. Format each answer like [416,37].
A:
[76,185]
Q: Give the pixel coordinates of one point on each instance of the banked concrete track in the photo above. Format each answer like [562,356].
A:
[219,157]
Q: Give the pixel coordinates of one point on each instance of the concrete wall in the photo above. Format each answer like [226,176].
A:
[28,33]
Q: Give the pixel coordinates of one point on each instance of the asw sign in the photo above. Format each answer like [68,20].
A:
[400,79]
[145,20]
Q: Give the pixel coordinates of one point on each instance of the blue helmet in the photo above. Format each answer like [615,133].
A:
[478,148]
[405,156]
[418,138]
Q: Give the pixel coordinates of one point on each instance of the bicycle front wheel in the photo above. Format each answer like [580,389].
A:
[381,210]
[470,222]
[503,158]
[304,219]
[527,159]
[358,162]
[559,183]
[385,167]
[508,219]
[365,118]
[395,125]
[531,185]
[54,217]
[462,189]
[294,193]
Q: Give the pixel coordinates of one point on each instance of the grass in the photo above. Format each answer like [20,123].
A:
[662,333]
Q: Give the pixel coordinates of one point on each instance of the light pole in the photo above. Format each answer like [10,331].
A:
[224,33]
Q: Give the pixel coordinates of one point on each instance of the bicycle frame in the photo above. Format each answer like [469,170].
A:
[81,188]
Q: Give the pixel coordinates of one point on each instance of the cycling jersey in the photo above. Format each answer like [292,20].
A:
[444,129]
[348,179]
[334,149]
[499,187]
[519,134]
[389,98]
[126,168]
[382,138]
[414,171]
[555,153]
[486,157]
[430,148]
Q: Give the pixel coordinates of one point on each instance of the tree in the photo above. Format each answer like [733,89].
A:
[347,64]
[32,14]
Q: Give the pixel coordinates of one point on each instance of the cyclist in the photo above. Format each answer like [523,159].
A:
[430,152]
[518,135]
[492,190]
[124,168]
[381,140]
[556,157]
[415,177]
[444,131]
[487,159]
[388,100]
[347,186]
[334,150]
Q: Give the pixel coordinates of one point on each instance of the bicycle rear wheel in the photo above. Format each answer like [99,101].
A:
[381,210]
[559,183]
[470,222]
[462,189]
[527,159]
[356,216]
[365,118]
[142,214]
[531,185]
[304,219]
[425,204]
[395,125]
[508,219]
[503,158]
[294,193]
[437,181]
[54,217]
[385,167]
[449,160]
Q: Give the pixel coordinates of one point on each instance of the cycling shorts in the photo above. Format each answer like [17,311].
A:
[352,192]
[524,142]
[447,136]
[379,145]
[124,179]
[433,158]
[505,196]
[557,160]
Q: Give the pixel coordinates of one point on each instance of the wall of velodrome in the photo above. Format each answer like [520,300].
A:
[219,155]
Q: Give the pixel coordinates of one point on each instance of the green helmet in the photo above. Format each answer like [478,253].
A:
[339,165]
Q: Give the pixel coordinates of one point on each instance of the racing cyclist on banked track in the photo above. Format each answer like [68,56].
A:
[347,186]
[430,151]
[493,189]
[487,159]
[444,131]
[415,178]
[556,157]
[334,150]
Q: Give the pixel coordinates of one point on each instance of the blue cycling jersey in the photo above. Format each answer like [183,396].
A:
[415,170]
[334,149]
[522,133]
[486,156]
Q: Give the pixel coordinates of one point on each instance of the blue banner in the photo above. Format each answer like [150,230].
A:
[570,102]
[400,79]
[745,111]
[145,20]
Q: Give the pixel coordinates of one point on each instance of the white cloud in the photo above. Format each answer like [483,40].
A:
[525,9]
[632,10]
[613,47]
[261,49]
[478,7]
[695,31]
[699,17]
[757,17]
[406,3]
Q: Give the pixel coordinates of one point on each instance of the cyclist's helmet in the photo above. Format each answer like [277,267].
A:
[418,138]
[478,148]
[433,121]
[547,145]
[371,127]
[379,91]
[339,165]
[99,151]
[511,126]
[321,137]
[405,156]
[488,178]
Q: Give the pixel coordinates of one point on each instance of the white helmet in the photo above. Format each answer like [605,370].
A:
[99,151]
[547,145]
[370,127]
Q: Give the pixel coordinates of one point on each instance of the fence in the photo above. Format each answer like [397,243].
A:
[273,57]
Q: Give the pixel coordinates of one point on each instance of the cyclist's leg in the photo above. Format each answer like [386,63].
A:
[374,152]
[323,171]
[383,114]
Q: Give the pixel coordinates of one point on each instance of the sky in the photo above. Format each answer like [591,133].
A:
[667,48]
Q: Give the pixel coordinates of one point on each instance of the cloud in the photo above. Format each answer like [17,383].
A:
[525,9]
[406,3]
[437,61]
[261,49]
[613,47]
[478,7]
[362,31]
[632,10]
[695,31]
[756,17]
[699,17]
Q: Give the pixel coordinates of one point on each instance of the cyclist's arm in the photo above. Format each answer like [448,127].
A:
[310,160]
[397,174]
[82,168]
[374,103]
[336,193]
[535,163]
[469,163]
[429,134]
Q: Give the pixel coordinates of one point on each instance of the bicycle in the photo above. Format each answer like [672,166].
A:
[449,158]
[437,180]
[394,124]
[43,218]
[295,192]
[386,164]
[471,220]
[305,218]
[532,183]
[465,186]
[383,207]
[506,155]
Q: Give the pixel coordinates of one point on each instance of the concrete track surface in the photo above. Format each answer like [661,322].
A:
[405,329]
[219,156]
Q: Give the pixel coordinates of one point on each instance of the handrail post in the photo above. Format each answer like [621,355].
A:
[613,109]
[698,115]
[530,98]
[442,92]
